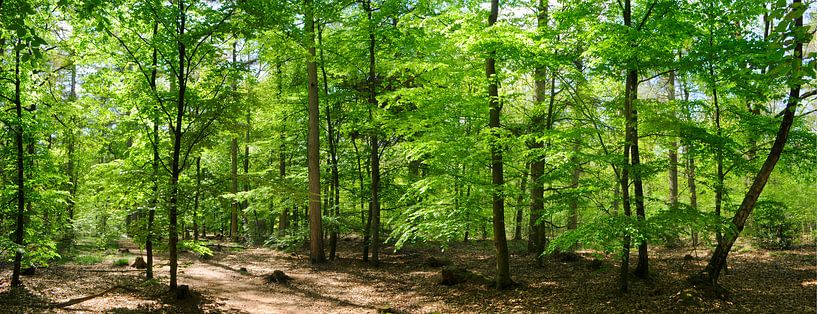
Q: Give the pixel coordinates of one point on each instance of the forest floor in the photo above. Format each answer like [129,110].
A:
[759,281]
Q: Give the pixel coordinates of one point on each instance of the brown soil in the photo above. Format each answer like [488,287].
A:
[759,281]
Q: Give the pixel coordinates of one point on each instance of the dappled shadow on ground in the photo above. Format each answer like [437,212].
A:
[760,281]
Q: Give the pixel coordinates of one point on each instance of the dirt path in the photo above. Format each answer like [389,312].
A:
[312,290]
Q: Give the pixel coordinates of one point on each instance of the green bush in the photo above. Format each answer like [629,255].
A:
[121,262]
[771,228]
[289,242]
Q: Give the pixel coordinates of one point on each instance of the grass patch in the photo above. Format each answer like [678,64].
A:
[121,262]
[88,259]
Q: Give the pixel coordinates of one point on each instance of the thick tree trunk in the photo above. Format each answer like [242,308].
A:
[316,254]
[718,259]
[503,274]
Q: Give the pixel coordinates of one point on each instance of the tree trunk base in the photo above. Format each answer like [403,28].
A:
[708,288]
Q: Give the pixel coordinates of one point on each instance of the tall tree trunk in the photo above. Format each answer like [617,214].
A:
[642,269]
[283,220]
[333,157]
[630,91]
[19,231]
[316,252]
[255,233]
[154,198]
[175,165]
[72,138]
[537,237]
[718,259]
[375,141]
[503,274]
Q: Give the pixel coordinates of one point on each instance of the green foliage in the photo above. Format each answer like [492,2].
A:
[770,227]
[292,241]
[121,262]
[198,247]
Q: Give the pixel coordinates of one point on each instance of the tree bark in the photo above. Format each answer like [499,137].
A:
[374,142]
[673,147]
[503,275]
[154,200]
[333,158]
[316,254]
[517,234]
[196,200]
[575,175]
[630,91]
[19,231]
[234,189]
[537,237]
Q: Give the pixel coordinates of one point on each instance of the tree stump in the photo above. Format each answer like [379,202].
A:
[277,276]
[183,292]
[139,263]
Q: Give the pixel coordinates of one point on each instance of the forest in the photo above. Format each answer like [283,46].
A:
[408,156]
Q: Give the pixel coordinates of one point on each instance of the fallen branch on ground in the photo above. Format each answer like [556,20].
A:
[59,305]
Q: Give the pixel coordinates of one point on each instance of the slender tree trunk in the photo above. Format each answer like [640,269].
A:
[234,189]
[630,91]
[333,158]
[19,231]
[503,275]
[374,141]
[517,234]
[316,252]
[283,221]
[254,234]
[72,138]
[575,175]
[673,149]
[154,200]
[718,259]
[196,200]
[720,176]
[642,269]
[175,165]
